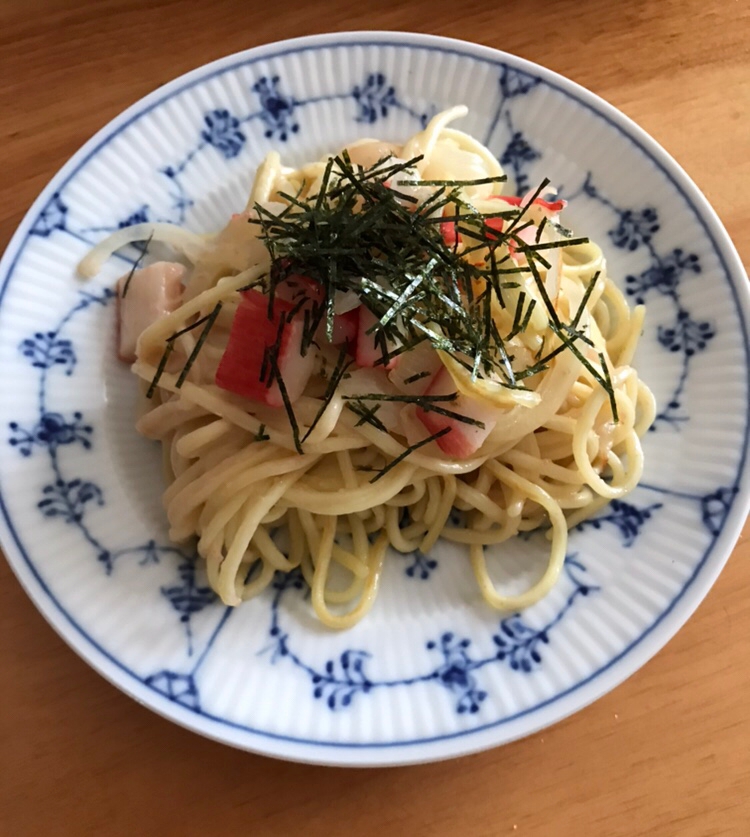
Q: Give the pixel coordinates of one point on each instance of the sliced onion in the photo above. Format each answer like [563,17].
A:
[191,245]
[401,183]
[483,389]
[368,152]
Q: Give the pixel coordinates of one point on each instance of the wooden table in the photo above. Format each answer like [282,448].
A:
[667,753]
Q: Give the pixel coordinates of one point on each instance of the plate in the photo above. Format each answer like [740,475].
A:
[432,672]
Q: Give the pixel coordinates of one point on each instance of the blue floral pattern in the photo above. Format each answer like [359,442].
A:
[374,98]
[518,153]
[452,662]
[223,132]
[686,335]
[421,566]
[68,499]
[140,216]
[519,644]
[663,275]
[46,349]
[51,218]
[180,688]
[715,508]
[455,673]
[635,229]
[340,680]
[515,82]
[51,429]
[71,500]
[277,110]
[189,596]
[627,518]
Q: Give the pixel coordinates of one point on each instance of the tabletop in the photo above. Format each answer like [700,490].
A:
[667,752]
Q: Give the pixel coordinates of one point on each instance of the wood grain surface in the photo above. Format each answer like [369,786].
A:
[668,752]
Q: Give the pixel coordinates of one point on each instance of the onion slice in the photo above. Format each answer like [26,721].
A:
[190,244]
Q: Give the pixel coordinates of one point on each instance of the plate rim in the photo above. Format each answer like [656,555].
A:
[463,742]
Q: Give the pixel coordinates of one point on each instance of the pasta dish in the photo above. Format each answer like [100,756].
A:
[383,349]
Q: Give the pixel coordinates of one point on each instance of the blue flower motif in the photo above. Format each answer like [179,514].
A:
[715,508]
[456,665]
[88,299]
[516,83]
[180,688]
[635,228]
[518,153]
[686,335]
[518,643]
[188,597]
[51,218]
[223,132]
[343,679]
[282,582]
[374,98]
[456,672]
[51,431]
[46,349]
[140,216]
[278,647]
[629,519]
[68,499]
[181,202]
[663,276]
[421,566]
[276,109]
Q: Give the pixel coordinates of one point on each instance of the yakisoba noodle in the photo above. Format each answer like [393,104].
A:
[237,479]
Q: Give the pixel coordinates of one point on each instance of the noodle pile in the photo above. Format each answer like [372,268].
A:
[238,482]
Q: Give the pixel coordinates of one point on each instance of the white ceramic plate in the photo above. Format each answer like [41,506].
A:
[432,672]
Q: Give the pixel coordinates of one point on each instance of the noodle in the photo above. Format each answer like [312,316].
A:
[343,487]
